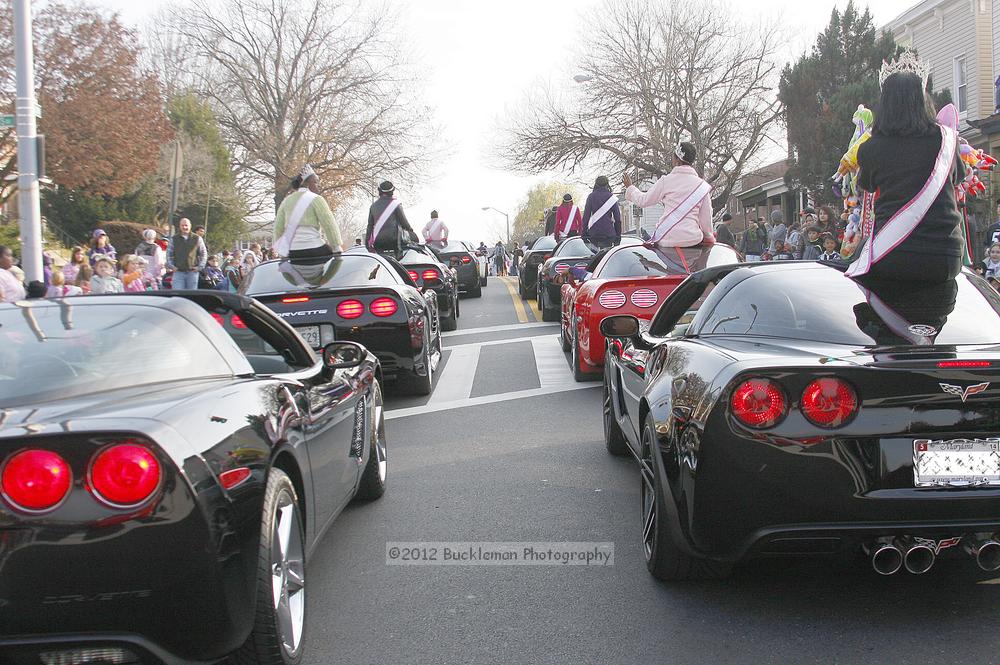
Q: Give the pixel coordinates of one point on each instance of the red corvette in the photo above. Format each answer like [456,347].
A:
[631,278]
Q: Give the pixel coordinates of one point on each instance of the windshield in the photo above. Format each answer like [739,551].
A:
[451,248]
[643,261]
[823,305]
[574,247]
[340,271]
[68,350]
[544,243]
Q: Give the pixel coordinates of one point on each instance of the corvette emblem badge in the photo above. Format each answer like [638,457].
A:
[938,545]
[958,391]
[922,330]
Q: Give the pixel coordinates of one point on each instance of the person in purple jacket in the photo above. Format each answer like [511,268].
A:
[602,217]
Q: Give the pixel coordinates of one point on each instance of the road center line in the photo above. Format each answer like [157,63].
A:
[522,315]
[392,414]
[455,382]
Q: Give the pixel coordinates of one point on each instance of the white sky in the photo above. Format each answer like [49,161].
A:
[480,59]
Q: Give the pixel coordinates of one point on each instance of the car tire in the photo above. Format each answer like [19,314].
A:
[578,374]
[521,291]
[664,559]
[482,282]
[549,314]
[277,639]
[476,291]
[614,438]
[566,346]
[423,385]
[451,322]
[373,478]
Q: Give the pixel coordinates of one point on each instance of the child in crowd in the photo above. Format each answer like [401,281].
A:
[990,267]
[213,275]
[811,250]
[104,281]
[830,252]
[77,258]
[58,287]
[100,246]
[134,276]
[83,277]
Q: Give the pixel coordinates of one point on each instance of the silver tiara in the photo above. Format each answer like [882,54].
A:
[907,63]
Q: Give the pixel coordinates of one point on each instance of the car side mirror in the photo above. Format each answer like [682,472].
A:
[620,327]
[343,355]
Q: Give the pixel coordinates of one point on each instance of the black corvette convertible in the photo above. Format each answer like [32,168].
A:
[360,297]
[786,409]
[162,487]
[527,272]
[463,260]
[571,253]
[426,271]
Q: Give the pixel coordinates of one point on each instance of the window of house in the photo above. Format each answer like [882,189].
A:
[961,86]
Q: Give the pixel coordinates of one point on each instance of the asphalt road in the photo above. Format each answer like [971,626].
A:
[508,448]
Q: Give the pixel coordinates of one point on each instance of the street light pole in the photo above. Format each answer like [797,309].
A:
[29,208]
[505,215]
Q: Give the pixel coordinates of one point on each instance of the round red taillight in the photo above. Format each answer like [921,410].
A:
[35,480]
[759,403]
[350,309]
[125,474]
[383,307]
[829,402]
[562,268]
[466,259]
[430,275]
[237,322]
[413,275]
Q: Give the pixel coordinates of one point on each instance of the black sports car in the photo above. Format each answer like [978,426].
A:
[573,252]
[427,271]
[463,260]
[527,272]
[162,488]
[786,409]
[361,297]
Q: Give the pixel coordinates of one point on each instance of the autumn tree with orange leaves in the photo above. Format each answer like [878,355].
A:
[103,114]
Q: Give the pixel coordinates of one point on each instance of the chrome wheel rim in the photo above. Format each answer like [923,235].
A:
[607,410]
[648,500]
[379,422]
[288,583]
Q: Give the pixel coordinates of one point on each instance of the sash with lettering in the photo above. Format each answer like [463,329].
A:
[382,219]
[682,210]
[569,221]
[901,225]
[284,244]
[602,211]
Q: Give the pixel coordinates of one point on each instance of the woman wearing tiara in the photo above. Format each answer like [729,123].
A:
[912,166]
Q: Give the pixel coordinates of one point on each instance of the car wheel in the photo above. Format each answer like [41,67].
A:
[664,559]
[521,291]
[279,620]
[549,313]
[451,322]
[372,485]
[614,439]
[578,374]
[476,291]
[482,281]
[562,335]
[422,385]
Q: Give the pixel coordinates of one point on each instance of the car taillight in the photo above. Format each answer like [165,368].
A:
[233,477]
[562,268]
[829,402]
[219,318]
[759,403]
[295,299]
[350,309]
[35,480]
[643,298]
[611,299]
[413,275]
[237,322]
[466,259]
[383,307]
[431,274]
[964,364]
[124,474]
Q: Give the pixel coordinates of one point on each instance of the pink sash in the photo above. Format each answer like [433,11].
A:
[907,218]
[681,211]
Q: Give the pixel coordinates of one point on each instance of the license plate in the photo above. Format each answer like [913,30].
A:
[956,462]
[311,335]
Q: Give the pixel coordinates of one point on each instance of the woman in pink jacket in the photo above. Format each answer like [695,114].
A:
[686,199]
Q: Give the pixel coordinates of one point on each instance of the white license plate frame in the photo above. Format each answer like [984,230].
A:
[956,462]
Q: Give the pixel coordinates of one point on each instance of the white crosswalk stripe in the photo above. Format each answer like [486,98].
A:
[550,361]
[459,373]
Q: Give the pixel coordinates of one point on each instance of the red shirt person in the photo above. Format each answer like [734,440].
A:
[569,219]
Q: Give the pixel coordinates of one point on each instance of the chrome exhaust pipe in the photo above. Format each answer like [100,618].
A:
[886,558]
[986,551]
[917,557]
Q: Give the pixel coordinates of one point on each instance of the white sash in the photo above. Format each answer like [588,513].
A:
[283,244]
[568,224]
[906,219]
[434,230]
[603,210]
[681,211]
[383,218]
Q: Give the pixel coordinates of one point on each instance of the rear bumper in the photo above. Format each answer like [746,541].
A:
[468,276]
[26,650]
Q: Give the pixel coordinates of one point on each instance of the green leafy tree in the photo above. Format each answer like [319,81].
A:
[528,223]
[821,91]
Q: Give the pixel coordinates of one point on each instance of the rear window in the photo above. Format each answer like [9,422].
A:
[642,261]
[825,306]
[64,351]
[452,248]
[574,247]
[340,271]
[544,243]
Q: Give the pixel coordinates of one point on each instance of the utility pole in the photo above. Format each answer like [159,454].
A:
[29,208]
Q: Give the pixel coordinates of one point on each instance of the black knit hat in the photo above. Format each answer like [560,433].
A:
[567,198]
[386,187]
[434,214]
